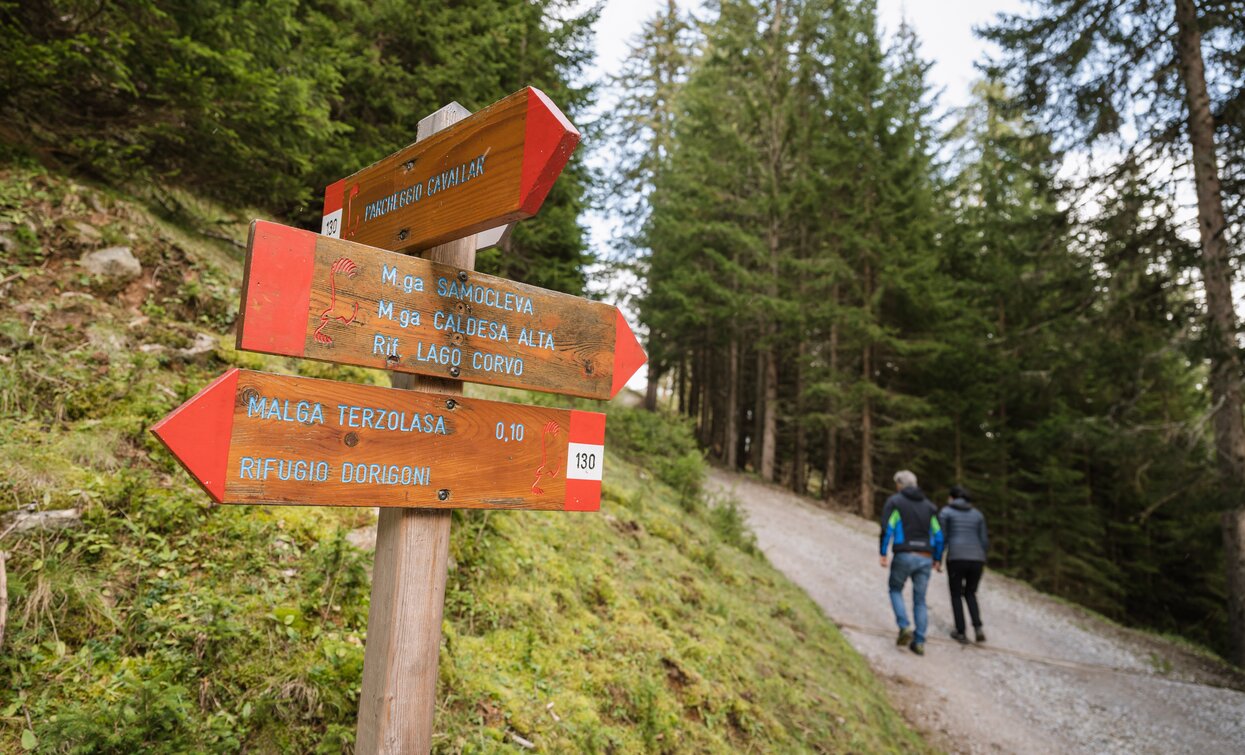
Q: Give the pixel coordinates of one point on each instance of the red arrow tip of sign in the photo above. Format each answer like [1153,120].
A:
[549,141]
[628,355]
[198,433]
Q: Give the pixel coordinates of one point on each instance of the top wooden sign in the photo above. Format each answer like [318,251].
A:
[492,168]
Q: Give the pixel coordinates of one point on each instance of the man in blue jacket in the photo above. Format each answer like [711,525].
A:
[910,526]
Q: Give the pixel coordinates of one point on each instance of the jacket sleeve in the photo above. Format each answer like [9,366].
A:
[981,533]
[936,539]
[888,528]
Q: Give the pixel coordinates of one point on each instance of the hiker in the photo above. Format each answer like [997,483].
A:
[965,530]
[910,523]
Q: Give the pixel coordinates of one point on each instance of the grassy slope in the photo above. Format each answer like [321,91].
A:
[165,624]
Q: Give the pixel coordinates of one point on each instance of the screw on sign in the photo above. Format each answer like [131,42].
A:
[306,295]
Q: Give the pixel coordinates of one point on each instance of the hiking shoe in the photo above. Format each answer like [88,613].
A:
[905,637]
[917,647]
[959,637]
[981,635]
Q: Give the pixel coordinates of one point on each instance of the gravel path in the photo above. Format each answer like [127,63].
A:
[1051,678]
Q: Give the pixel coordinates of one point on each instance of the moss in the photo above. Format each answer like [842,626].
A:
[165,623]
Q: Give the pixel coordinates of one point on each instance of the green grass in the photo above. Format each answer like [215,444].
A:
[166,624]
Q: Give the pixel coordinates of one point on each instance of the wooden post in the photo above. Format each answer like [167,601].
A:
[398,698]
[4,597]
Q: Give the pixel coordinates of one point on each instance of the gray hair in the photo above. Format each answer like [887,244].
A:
[905,479]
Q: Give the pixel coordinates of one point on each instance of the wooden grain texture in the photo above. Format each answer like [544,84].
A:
[308,295]
[4,596]
[489,169]
[397,701]
[297,440]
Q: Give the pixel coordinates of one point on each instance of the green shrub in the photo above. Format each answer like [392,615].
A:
[730,525]
[662,444]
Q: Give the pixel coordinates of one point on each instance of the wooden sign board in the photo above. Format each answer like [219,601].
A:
[255,437]
[487,170]
[307,295]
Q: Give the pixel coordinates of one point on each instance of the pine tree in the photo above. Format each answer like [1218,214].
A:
[640,130]
[1097,68]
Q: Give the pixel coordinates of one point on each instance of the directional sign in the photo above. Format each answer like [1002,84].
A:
[255,437]
[487,170]
[307,295]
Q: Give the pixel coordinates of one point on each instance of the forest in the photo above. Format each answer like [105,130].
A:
[263,104]
[1030,296]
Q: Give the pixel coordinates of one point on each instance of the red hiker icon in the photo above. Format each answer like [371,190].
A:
[335,311]
[551,431]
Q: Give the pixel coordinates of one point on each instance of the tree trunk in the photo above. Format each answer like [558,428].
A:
[799,476]
[1003,438]
[866,455]
[683,384]
[769,436]
[959,452]
[1225,368]
[693,395]
[831,479]
[866,410]
[758,414]
[650,391]
[769,375]
[706,398]
[1234,558]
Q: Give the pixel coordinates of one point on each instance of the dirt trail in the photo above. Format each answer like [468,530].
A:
[1049,679]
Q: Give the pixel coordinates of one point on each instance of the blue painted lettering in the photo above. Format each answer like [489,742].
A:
[486,295]
[378,418]
[448,355]
[299,470]
[470,326]
[385,474]
[486,362]
[283,410]
[386,346]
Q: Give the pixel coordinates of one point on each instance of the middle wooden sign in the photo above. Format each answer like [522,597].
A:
[307,295]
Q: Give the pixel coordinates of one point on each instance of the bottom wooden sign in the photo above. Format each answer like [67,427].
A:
[255,437]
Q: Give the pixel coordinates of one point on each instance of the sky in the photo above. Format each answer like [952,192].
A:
[945,28]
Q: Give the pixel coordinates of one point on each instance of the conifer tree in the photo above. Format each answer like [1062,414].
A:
[1097,68]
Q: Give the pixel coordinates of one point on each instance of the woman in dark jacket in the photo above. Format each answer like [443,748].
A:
[965,530]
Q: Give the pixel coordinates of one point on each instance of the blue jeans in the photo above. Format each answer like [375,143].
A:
[916,566]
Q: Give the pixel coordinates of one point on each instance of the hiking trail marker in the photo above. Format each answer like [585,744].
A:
[256,437]
[306,295]
[490,169]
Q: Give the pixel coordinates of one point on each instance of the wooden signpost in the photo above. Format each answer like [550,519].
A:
[307,295]
[255,437]
[494,167]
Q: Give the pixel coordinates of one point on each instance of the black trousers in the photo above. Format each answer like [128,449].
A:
[963,577]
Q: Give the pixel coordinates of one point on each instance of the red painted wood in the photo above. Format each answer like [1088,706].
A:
[587,427]
[628,354]
[197,433]
[583,495]
[280,262]
[550,141]
[334,196]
